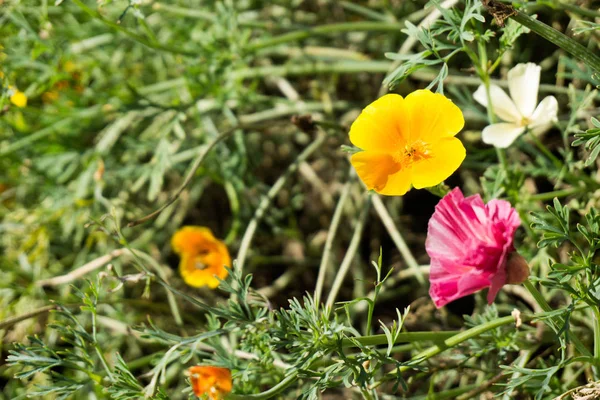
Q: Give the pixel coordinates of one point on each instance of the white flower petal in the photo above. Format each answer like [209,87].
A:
[523,85]
[501,135]
[544,115]
[502,104]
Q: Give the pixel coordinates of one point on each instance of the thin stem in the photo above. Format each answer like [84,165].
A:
[170,296]
[103,362]
[385,217]
[403,337]
[556,193]
[542,147]
[7,323]
[458,80]
[357,67]
[452,342]
[502,158]
[350,253]
[558,38]
[274,391]
[197,162]
[184,12]
[266,200]
[335,222]
[596,313]
[485,77]
[584,12]
[521,362]
[539,298]
[234,206]
[384,293]
[138,38]
[411,41]
[83,270]
[373,26]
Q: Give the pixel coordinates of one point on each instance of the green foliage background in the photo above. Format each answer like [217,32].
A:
[126,99]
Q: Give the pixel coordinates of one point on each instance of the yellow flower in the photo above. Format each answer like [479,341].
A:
[17,97]
[407,141]
[203,257]
[214,382]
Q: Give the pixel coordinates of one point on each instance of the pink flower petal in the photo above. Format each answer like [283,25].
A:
[468,243]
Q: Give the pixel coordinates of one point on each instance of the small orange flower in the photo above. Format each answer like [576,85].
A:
[203,257]
[407,141]
[214,382]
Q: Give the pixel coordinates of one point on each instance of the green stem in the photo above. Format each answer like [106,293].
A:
[184,12]
[561,40]
[502,158]
[267,199]
[373,26]
[596,312]
[274,391]
[104,363]
[313,68]
[331,234]
[542,147]
[349,258]
[404,337]
[577,10]
[539,298]
[556,193]
[138,38]
[453,341]
[7,323]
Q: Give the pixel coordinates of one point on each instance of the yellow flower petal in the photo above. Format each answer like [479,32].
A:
[382,125]
[398,184]
[407,141]
[374,168]
[18,99]
[214,382]
[432,116]
[188,238]
[195,277]
[445,156]
[203,257]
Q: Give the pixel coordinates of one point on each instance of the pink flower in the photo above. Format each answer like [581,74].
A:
[471,247]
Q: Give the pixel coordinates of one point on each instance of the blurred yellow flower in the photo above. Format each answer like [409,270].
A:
[214,382]
[17,97]
[407,141]
[203,257]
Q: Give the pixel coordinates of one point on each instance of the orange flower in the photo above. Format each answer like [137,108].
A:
[407,141]
[203,257]
[214,382]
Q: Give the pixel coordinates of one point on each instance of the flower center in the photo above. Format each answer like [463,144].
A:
[525,121]
[412,153]
[199,260]
[199,264]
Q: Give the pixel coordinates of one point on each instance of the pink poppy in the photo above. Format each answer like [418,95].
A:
[471,247]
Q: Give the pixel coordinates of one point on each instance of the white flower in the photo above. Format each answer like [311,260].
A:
[519,110]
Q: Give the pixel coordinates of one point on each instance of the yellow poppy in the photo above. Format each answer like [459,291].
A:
[214,382]
[203,257]
[17,97]
[407,141]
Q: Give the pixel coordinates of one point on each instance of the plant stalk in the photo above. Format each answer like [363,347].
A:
[560,39]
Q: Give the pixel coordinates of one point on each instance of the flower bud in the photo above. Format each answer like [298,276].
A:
[517,269]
